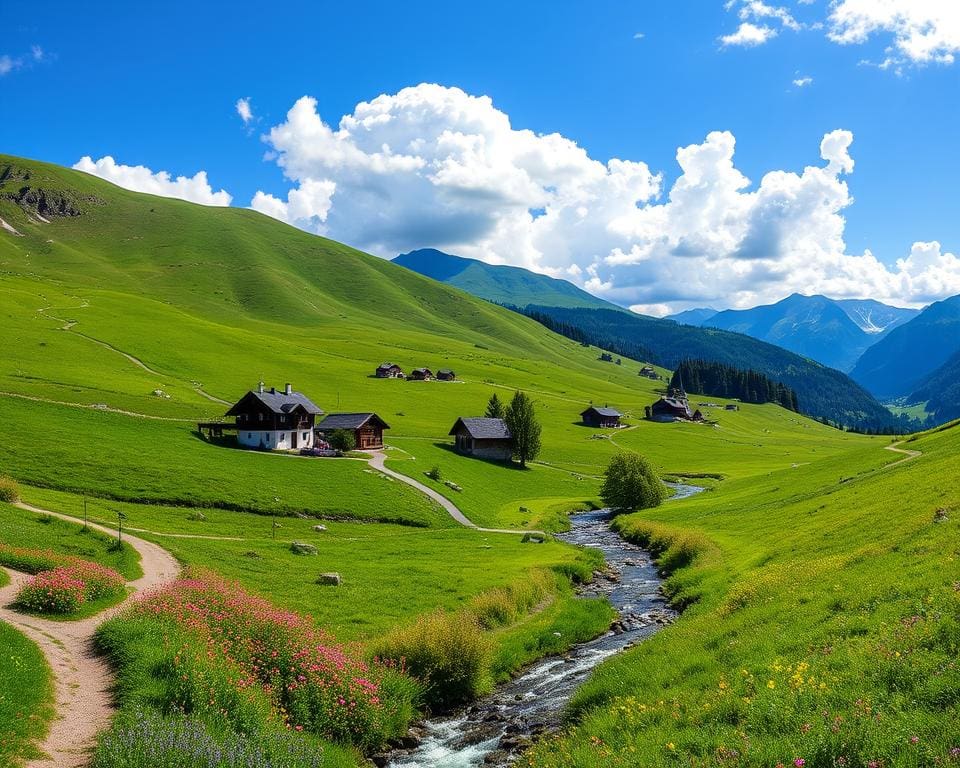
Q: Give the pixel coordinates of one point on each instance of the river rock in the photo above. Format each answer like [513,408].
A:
[302,548]
[331,579]
[319,528]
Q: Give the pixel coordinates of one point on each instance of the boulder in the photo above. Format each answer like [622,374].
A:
[302,548]
[319,528]
[331,579]
[533,538]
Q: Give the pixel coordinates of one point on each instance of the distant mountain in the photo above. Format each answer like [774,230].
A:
[900,363]
[822,392]
[835,333]
[501,284]
[696,316]
[941,392]
[874,317]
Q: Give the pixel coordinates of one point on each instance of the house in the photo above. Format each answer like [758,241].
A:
[274,420]
[673,407]
[420,374]
[484,438]
[606,357]
[446,374]
[389,371]
[731,407]
[367,428]
[648,372]
[601,417]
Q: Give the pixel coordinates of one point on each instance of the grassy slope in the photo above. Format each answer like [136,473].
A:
[26,696]
[838,567]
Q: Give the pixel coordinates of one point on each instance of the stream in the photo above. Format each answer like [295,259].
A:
[494,730]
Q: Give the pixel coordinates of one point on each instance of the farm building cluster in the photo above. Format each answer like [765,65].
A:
[394,371]
[284,420]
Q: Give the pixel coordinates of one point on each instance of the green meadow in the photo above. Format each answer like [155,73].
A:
[813,574]
[26,696]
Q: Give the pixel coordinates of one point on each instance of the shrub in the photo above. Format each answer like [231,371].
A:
[342,440]
[435,473]
[9,490]
[631,484]
[447,652]
[66,588]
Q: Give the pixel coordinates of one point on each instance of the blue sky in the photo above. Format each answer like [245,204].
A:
[157,86]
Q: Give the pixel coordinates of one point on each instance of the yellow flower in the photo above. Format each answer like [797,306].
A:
[771,684]
[670,745]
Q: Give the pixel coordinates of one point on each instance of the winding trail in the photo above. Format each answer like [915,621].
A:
[908,454]
[377,462]
[82,680]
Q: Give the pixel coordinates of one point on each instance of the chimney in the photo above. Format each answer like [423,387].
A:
[288,389]
[260,387]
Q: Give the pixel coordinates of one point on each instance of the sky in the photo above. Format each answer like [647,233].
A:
[663,155]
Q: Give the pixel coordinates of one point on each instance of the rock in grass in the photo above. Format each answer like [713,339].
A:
[329,579]
[197,516]
[533,538]
[319,528]
[302,548]
[251,553]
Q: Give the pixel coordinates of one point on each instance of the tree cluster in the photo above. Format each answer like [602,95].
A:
[708,378]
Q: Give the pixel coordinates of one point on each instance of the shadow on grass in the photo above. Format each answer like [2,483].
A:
[451,449]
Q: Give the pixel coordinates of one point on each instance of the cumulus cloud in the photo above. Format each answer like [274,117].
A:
[245,110]
[432,166]
[139,178]
[803,82]
[923,31]
[8,64]
[749,35]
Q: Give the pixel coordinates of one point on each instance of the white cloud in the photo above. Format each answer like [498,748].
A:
[36,52]
[139,178]
[639,36]
[754,9]
[244,110]
[8,64]
[803,82]
[749,35]
[923,31]
[435,167]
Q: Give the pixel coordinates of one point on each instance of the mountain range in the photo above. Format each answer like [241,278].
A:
[833,332]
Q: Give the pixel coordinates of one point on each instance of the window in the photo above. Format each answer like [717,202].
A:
[283,437]
[268,437]
[261,416]
[306,435]
[249,435]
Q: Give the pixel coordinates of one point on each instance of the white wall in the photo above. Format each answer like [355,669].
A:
[273,440]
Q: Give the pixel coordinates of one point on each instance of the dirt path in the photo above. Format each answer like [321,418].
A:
[908,454]
[36,399]
[82,680]
[376,462]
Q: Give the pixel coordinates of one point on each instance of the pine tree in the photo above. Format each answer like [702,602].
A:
[494,407]
[524,427]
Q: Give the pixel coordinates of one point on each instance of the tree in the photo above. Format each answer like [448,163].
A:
[494,407]
[631,484]
[523,425]
[342,440]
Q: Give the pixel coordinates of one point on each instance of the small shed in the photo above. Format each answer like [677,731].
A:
[601,417]
[389,371]
[670,409]
[446,374]
[367,428]
[483,437]
[421,374]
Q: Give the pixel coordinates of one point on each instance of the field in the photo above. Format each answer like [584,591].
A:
[126,324]
[25,695]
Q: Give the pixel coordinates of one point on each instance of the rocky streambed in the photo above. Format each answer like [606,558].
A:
[496,729]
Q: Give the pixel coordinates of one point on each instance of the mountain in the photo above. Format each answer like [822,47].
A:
[875,317]
[941,392]
[812,326]
[901,362]
[500,284]
[823,392]
[697,316]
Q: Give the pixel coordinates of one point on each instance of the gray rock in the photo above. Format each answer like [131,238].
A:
[302,548]
[319,528]
[331,579]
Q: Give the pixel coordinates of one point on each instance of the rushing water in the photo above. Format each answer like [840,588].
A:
[494,730]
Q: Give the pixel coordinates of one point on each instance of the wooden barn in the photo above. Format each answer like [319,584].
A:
[670,409]
[483,437]
[367,428]
[389,371]
[446,374]
[421,374]
[601,417]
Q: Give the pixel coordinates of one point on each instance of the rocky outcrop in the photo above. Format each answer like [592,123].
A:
[42,201]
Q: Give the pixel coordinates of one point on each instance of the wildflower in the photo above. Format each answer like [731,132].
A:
[671,746]
[914,739]
[771,684]
[799,762]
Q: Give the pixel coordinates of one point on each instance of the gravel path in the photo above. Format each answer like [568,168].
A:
[82,680]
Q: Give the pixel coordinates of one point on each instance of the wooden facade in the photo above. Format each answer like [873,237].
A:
[367,428]
[482,437]
[601,417]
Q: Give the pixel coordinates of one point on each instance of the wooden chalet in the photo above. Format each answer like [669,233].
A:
[367,428]
[482,437]
[648,372]
[421,374]
[601,417]
[270,419]
[389,371]
[671,408]
[446,374]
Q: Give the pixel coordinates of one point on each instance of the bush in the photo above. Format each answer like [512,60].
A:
[66,588]
[631,484]
[342,440]
[447,652]
[9,490]
[435,473]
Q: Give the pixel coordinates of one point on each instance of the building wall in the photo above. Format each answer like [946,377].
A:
[498,450]
[275,440]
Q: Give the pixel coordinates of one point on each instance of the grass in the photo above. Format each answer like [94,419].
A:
[26,696]
[822,625]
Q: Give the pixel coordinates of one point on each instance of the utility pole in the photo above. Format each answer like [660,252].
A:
[85,513]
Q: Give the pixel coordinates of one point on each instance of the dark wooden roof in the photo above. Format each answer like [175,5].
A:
[387,366]
[351,421]
[444,371]
[610,412]
[422,370]
[483,428]
[276,401]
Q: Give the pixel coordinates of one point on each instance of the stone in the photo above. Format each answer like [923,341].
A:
[302,548]
[533,538]
[319,528]
[331,579]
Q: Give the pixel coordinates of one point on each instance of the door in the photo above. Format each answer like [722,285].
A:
[293,439]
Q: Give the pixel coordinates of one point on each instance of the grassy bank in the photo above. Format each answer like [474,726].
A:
[823,627]
[26,696]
